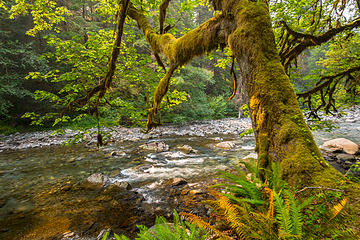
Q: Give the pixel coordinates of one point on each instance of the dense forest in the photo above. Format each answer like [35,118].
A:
[99,64]
[47,65]
[39,69]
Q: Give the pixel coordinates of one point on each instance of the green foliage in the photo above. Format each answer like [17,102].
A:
[200,104]
[250,209]
[240,186]
[163,230]
[318,221]
[79,57]
[82,65]
[16,59]
[247,132]
[46,14]
[324,125]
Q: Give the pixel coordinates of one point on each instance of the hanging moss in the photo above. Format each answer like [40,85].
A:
[178,51]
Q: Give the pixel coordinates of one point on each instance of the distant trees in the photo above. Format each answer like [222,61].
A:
[19,55]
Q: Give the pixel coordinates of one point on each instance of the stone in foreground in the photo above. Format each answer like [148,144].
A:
[341,144]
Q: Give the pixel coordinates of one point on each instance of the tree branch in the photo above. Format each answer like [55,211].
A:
[106,82]
[325,188]
[232,72]
[205,38]
[302,41]
[163,7]
[324,87]
[116,48]
[326,80]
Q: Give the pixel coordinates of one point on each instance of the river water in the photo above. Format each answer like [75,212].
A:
[26,174]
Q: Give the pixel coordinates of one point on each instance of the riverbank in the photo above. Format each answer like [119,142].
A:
[19,141]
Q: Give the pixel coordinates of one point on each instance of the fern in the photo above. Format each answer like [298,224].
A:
[122,237]
[163,230]
[282,216]
[338,207]
[205,225]
[240,186]
[276,182]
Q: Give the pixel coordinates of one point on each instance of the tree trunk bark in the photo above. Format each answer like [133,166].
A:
[279,126]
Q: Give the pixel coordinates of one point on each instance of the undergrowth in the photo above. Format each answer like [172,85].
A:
[163,230]
[246,208]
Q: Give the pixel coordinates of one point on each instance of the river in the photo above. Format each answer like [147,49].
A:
[43,188]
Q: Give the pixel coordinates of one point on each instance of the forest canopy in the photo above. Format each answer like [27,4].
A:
[79,36]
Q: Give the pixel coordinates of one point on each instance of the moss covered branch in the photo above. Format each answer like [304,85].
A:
[178,51]
[162,15]
[303,41]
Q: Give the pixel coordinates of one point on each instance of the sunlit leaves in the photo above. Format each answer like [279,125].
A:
[2,5]
[46,14]
[343,53]
[107,9]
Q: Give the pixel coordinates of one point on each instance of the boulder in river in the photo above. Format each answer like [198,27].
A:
[346,157]
[123,185]
[155,146]
[186,149]
[340,144]
[228,145]
[175,182]
[116,153]
[98,178]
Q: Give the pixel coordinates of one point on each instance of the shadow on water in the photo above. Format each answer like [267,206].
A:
[81,207]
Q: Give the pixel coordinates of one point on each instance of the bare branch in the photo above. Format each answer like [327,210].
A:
[326,80]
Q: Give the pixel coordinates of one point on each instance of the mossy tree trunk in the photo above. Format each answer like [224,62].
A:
[280,130]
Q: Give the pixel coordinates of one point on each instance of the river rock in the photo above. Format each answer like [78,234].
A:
[68,235]
[251,155]
[123,185]
[350,120]
[102,234]
[173,154]
[341,144]
[155,146]
[115,153]
[175,182]
[187,149]
[346,157]
[98,178]
[228,145]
